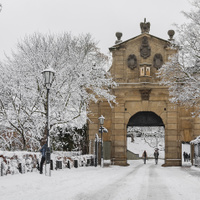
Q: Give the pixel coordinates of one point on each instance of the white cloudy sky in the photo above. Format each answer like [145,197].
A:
[100,18]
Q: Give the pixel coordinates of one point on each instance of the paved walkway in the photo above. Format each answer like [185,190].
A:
[151,182]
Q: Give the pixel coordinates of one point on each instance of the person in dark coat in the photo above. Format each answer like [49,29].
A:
[156,154]
[184,156]
[144,155]
[43,152]
[189,157]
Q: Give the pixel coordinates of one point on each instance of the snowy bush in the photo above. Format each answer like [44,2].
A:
[18,162]
[23,161]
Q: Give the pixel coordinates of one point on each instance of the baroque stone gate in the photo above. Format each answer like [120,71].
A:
[134,67]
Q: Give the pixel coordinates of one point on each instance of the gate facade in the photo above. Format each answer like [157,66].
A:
[134,66]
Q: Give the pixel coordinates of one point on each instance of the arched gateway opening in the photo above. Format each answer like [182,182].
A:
[145,131]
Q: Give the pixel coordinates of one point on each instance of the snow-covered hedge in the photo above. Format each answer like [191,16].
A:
[23,161]
[18,162]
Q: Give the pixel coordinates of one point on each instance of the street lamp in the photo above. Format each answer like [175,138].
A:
[96,149]
[48,80]
[101,121]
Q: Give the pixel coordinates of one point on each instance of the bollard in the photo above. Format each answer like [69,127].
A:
[92,161]
[20,168]
[68,164]
[38,166]
[51,164]
[2,167]
[76,163]
[88,162]
[58,164]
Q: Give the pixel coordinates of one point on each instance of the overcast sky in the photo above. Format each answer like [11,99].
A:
[101,18]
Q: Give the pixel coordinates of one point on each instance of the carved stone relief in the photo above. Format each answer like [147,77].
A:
[157,61]
[145,93]
[145,26]
[145,49]
[132,61]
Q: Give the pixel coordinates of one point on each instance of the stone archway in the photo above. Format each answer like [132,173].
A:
[145,118]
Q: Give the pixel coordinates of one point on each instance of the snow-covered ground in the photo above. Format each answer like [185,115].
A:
[134,182]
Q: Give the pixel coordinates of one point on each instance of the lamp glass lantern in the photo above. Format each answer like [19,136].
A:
[101,120]
[48,74]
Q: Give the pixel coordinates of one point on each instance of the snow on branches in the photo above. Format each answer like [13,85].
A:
[80,78]
[182,72]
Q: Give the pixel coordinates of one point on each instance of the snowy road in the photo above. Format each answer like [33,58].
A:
[135,182]
[143,182]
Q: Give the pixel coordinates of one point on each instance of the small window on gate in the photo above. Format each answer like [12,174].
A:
[145,71]
[142,71]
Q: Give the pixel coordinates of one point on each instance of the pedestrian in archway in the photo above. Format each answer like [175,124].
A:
[156,154]
[144,155]
[184,156]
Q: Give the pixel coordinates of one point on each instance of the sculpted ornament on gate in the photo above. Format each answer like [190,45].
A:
[145,26]
[132,61]
[145,94]
[157,61]
[145,50]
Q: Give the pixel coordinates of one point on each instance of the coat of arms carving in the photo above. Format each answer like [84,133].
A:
[157,61]
[145,49]
[132,61]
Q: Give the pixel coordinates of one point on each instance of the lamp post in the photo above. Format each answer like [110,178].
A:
[48,80]
[101,121]
[96,149]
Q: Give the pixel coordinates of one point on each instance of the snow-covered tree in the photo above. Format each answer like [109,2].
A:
[182,72]
[80,78]
[9,141]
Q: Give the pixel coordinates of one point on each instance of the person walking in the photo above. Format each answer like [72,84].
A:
[189,157]
[184,156]
[144,155]
[43,152]
[156,154]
